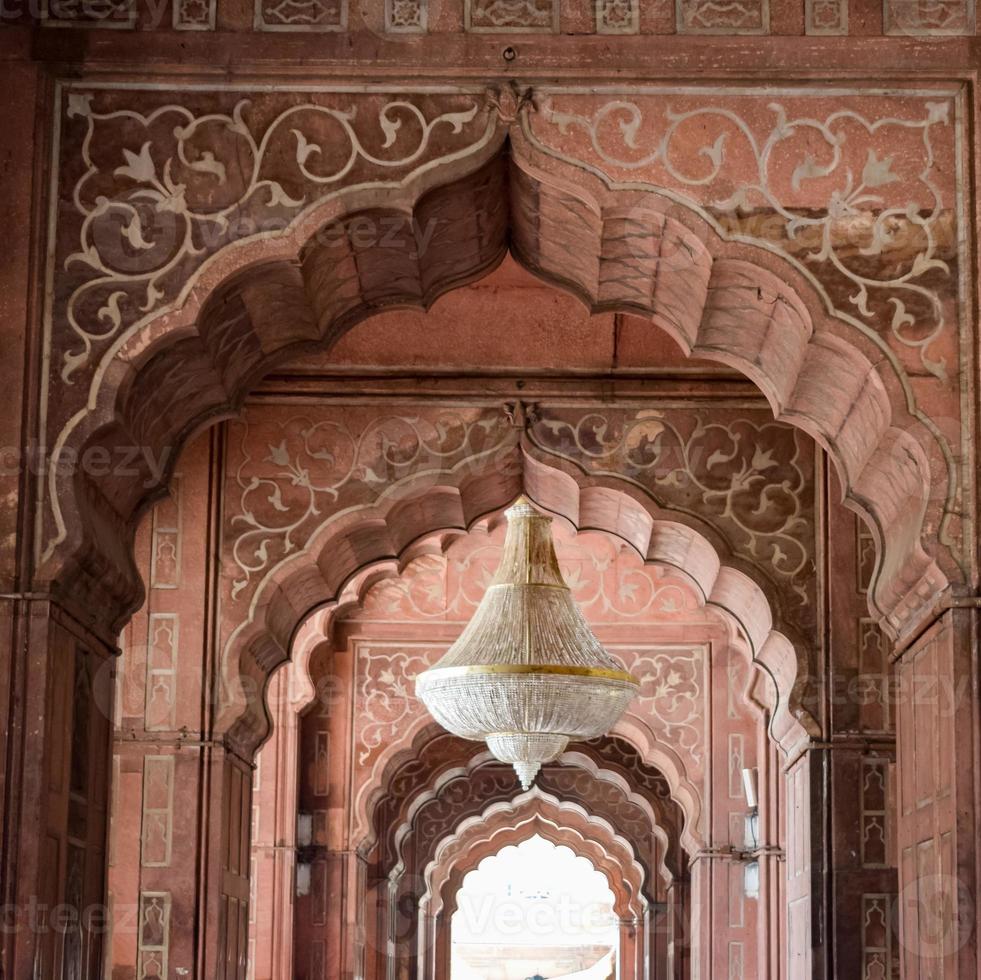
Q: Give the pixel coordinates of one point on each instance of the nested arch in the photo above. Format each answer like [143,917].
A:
[355,546]
[534,812]
[267,301]
[415,773]
[451,793]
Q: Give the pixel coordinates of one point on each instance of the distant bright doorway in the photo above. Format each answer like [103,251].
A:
[535,910]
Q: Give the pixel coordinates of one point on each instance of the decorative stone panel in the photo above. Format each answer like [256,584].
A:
[407,16]
[512,16]
[194,15]
[617,16]
[827,17]
[723,16]
[939,17]
[112,14]
[301,15]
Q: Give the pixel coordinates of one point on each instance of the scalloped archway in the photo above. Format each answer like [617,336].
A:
[351,550]
[163,381]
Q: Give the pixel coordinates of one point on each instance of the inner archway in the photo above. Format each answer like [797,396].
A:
[534,909]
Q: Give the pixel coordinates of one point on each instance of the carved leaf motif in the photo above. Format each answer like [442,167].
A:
[133,233]
[878,172]
[304,148]
[208,164]
[279,454]
[139,166]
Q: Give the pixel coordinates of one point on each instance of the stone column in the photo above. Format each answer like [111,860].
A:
[858,761]
[54,911]
[937,723]
[40,644]
[679,930]
[179,859]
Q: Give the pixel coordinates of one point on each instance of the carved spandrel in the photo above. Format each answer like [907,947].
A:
[857,190]
[751,479]
[288,472]
[151,193]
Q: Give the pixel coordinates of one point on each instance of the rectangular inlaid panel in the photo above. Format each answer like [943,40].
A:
[162,661]
[321,776]
[165,540]
[617,16]
[154,936]
[736,759]
[723,16]
[300,15]
[158,811]
[938,17]
[508,16]
[407,16]
[194,15]
[113,14]
[877,960]
[875,802]
[826,17]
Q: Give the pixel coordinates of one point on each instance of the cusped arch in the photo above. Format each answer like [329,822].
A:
[416,772]
[387,534]
[534,812]
[453,794]
[721,301]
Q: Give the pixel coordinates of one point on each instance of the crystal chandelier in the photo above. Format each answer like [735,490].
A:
[527,675]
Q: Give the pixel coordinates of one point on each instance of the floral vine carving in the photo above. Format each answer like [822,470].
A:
[291,475]
[750,478]
[672,690]
[179,185]
[855,199]
[386,695]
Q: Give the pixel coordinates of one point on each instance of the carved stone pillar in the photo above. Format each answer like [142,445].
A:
[330,918]
[54,911]
[635,948]
[274,832]
[180,870]
[179,860]
[937,724]
[33,647]
[660,941]
[859,758]
[723,933]
[806,878]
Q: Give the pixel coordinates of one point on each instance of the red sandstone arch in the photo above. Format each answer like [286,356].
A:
[504,825]
[407,775]
[162,382]
[450,796]
[412,774]
[351,544]
[509,822]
